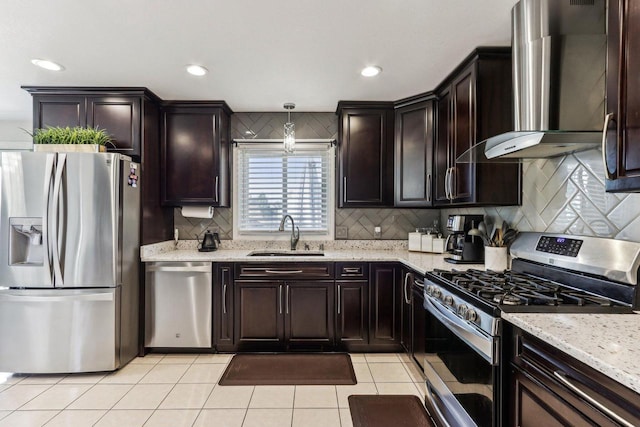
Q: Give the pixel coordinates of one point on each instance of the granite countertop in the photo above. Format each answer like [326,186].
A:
[372,251]
[607,342]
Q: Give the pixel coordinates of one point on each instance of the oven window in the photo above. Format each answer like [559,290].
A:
[467,375]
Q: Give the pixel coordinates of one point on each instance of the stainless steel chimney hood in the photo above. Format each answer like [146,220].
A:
[559,61]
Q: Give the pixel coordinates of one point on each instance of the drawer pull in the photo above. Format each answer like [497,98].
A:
[352,270]
[283,271]
[562,377]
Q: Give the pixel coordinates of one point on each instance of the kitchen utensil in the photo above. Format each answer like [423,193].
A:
[476,232]
[509,236]
[482,227]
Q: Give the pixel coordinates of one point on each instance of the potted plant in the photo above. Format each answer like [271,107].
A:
[83,139]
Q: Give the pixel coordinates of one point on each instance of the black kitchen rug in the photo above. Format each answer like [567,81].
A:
[289,369]
[396,410]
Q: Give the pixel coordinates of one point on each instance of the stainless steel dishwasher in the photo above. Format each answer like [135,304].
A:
[178,304]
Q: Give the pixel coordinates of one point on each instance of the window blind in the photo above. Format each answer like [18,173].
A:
[272,183]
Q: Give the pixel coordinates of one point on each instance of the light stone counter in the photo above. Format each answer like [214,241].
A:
[359,250]
[609,343]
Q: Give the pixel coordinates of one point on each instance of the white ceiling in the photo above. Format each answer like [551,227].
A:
[260,53]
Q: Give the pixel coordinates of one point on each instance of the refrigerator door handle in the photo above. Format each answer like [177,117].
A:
[100,296]
[57,185]
[48,173]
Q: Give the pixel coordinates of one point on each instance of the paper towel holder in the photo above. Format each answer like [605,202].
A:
[197,211]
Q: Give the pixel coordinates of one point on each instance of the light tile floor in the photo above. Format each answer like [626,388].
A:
[181,390]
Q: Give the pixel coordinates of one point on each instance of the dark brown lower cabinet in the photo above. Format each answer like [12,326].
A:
[308,311]
[385,310]
[352,315]
[274,315]
[551,388]
[224,338]
[259,322]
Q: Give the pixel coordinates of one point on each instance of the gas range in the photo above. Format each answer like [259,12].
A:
[549,273]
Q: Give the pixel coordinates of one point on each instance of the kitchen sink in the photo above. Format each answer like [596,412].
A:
[285,253]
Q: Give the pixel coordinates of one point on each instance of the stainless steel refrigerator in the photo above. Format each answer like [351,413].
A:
[69,259]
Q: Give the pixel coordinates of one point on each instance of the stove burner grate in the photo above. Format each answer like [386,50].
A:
[511,288]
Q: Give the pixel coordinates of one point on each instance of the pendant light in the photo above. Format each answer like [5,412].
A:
[289,130]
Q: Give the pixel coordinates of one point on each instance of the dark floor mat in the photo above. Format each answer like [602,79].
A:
[289,369]
[388,410]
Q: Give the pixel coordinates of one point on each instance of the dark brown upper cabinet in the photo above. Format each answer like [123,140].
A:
[132,117]
[121,117]
[195,153]
[119,111]
[622,145]
[414,152]
[365,156]
[475,103]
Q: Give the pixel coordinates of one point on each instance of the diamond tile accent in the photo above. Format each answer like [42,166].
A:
[567,195]
[394,223]
[270,125]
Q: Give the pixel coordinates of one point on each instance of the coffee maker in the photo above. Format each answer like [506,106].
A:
[464,249]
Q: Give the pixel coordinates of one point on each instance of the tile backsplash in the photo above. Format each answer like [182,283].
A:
[359,223]
[567,195]
[394,223]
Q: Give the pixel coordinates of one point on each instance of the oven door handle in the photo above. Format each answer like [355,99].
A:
[437,391]
[435,405]
[474,337]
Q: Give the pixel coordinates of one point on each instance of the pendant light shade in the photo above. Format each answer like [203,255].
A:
[289,130]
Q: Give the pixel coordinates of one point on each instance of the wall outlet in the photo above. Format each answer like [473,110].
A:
[377,232]
[341,232]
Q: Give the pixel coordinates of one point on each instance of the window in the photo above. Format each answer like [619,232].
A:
[272,183]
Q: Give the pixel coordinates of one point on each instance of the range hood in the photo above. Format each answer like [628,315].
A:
[559,63]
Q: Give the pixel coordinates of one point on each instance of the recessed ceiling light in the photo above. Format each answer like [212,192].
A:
[197,70]
[47,65]
[371,71]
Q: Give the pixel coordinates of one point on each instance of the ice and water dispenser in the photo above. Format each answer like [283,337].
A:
[25,241]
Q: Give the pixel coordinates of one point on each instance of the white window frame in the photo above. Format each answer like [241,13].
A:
[285,235]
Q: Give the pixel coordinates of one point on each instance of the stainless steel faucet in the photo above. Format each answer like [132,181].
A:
[295,236]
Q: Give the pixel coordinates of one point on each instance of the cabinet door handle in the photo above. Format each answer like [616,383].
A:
[428,187]
[339,302]
[406,280]
[287,300]
[562,377]
[446,184]
[452,185]
[607,119]
[280,299]
[217,181]
[224,295]
[344,189]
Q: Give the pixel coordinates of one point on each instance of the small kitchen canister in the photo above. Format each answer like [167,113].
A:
[496,258]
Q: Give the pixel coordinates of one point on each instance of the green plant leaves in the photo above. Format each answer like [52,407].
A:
[68,135]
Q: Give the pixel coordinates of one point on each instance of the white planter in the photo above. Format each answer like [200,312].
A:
[70,148]
[496,258]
